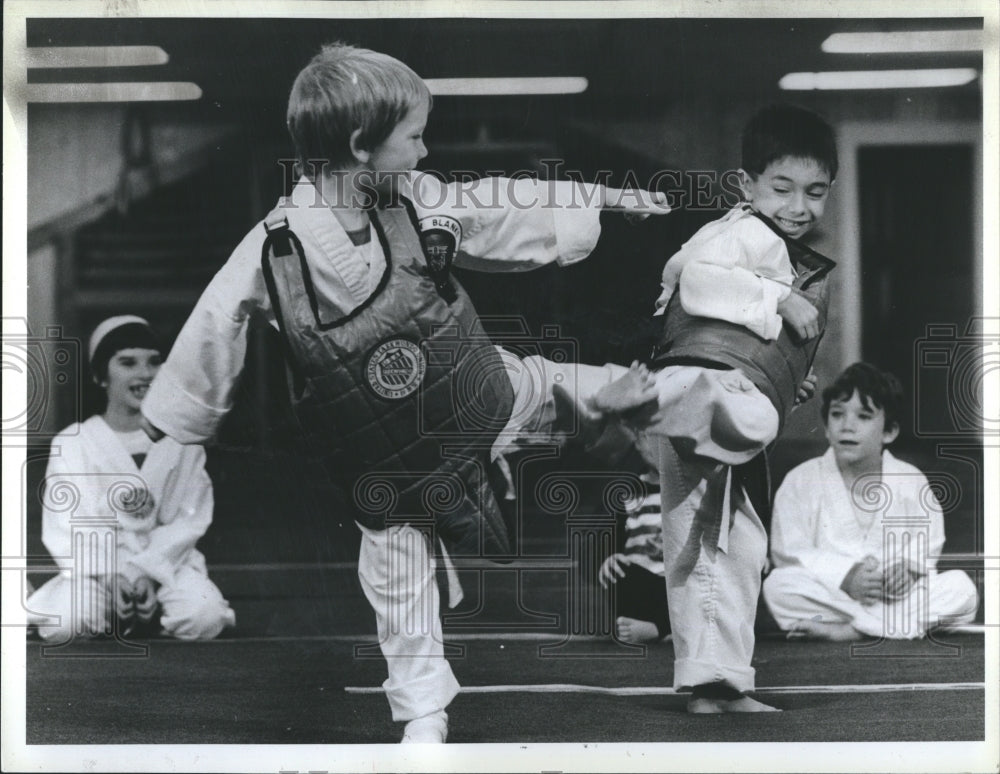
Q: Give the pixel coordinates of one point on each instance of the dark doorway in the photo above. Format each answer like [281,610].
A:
[917,300]
[916,264]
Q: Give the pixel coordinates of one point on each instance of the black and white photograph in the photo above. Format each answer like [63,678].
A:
[501,386]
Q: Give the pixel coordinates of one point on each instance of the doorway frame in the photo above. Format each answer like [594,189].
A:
[853,135]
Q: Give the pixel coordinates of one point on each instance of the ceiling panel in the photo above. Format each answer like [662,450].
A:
[254,60]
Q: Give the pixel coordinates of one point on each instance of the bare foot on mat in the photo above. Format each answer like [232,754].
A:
[636,631]
[706,706]
[823,630]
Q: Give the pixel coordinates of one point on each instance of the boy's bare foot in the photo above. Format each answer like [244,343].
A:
[574,416]
[716,698]
[636,388]
[706,706]
[636,631]
[430,729]
[823,630]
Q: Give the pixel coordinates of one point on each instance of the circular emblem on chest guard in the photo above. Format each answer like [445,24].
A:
[395,368]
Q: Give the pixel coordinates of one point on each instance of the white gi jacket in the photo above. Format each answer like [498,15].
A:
[506,225]
[734,269]
[815,525]
[89,471]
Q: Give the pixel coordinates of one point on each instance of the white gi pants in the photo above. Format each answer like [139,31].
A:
[714,549]
[715,546]
[397,572]
[396,566]
[796,594]
[192,607]
[714,413]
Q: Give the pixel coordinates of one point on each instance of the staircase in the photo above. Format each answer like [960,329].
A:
[156,258]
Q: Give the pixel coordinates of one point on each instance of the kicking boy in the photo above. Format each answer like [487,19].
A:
[745,305]
[386,355]
[843,568]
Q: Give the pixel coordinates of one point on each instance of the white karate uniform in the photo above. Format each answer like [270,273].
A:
[734,269]
[505,226]
[714,544]
[821,529]
[714,550]
[96,523]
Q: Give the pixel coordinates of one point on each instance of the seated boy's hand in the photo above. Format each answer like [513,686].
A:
[636,203]
[800,314]
[144,597]
[613,569]
[863,582]
[899,581]
[124,598]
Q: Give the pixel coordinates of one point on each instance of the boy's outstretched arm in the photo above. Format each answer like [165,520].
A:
[519,224]
[636,203]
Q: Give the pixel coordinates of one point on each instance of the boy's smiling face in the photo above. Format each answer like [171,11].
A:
[791,191]
[856,431]
[402,150]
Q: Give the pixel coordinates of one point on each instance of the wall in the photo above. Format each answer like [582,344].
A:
[75,158]
[75,153]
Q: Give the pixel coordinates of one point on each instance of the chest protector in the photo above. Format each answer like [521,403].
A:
[777,367]
[402,398]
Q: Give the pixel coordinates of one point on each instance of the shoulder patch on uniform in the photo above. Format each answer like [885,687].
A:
[441,237]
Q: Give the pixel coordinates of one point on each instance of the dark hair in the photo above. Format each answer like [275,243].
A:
[345,88]
[781,131]
[875,387]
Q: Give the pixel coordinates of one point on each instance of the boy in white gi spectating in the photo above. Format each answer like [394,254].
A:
[387,359]
[106,478]
[857,532]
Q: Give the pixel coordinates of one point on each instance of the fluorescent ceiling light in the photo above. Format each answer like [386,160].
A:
[878,79]
[96,56]
[909,42]
[492,87]
[161,91]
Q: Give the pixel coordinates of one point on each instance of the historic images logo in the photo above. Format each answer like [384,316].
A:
[395,368]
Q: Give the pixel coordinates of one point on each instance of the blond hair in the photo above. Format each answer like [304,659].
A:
[343,89]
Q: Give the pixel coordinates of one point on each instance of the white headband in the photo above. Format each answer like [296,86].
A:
[109,325]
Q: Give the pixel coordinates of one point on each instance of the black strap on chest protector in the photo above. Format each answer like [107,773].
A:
[810,266]
[279,243]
